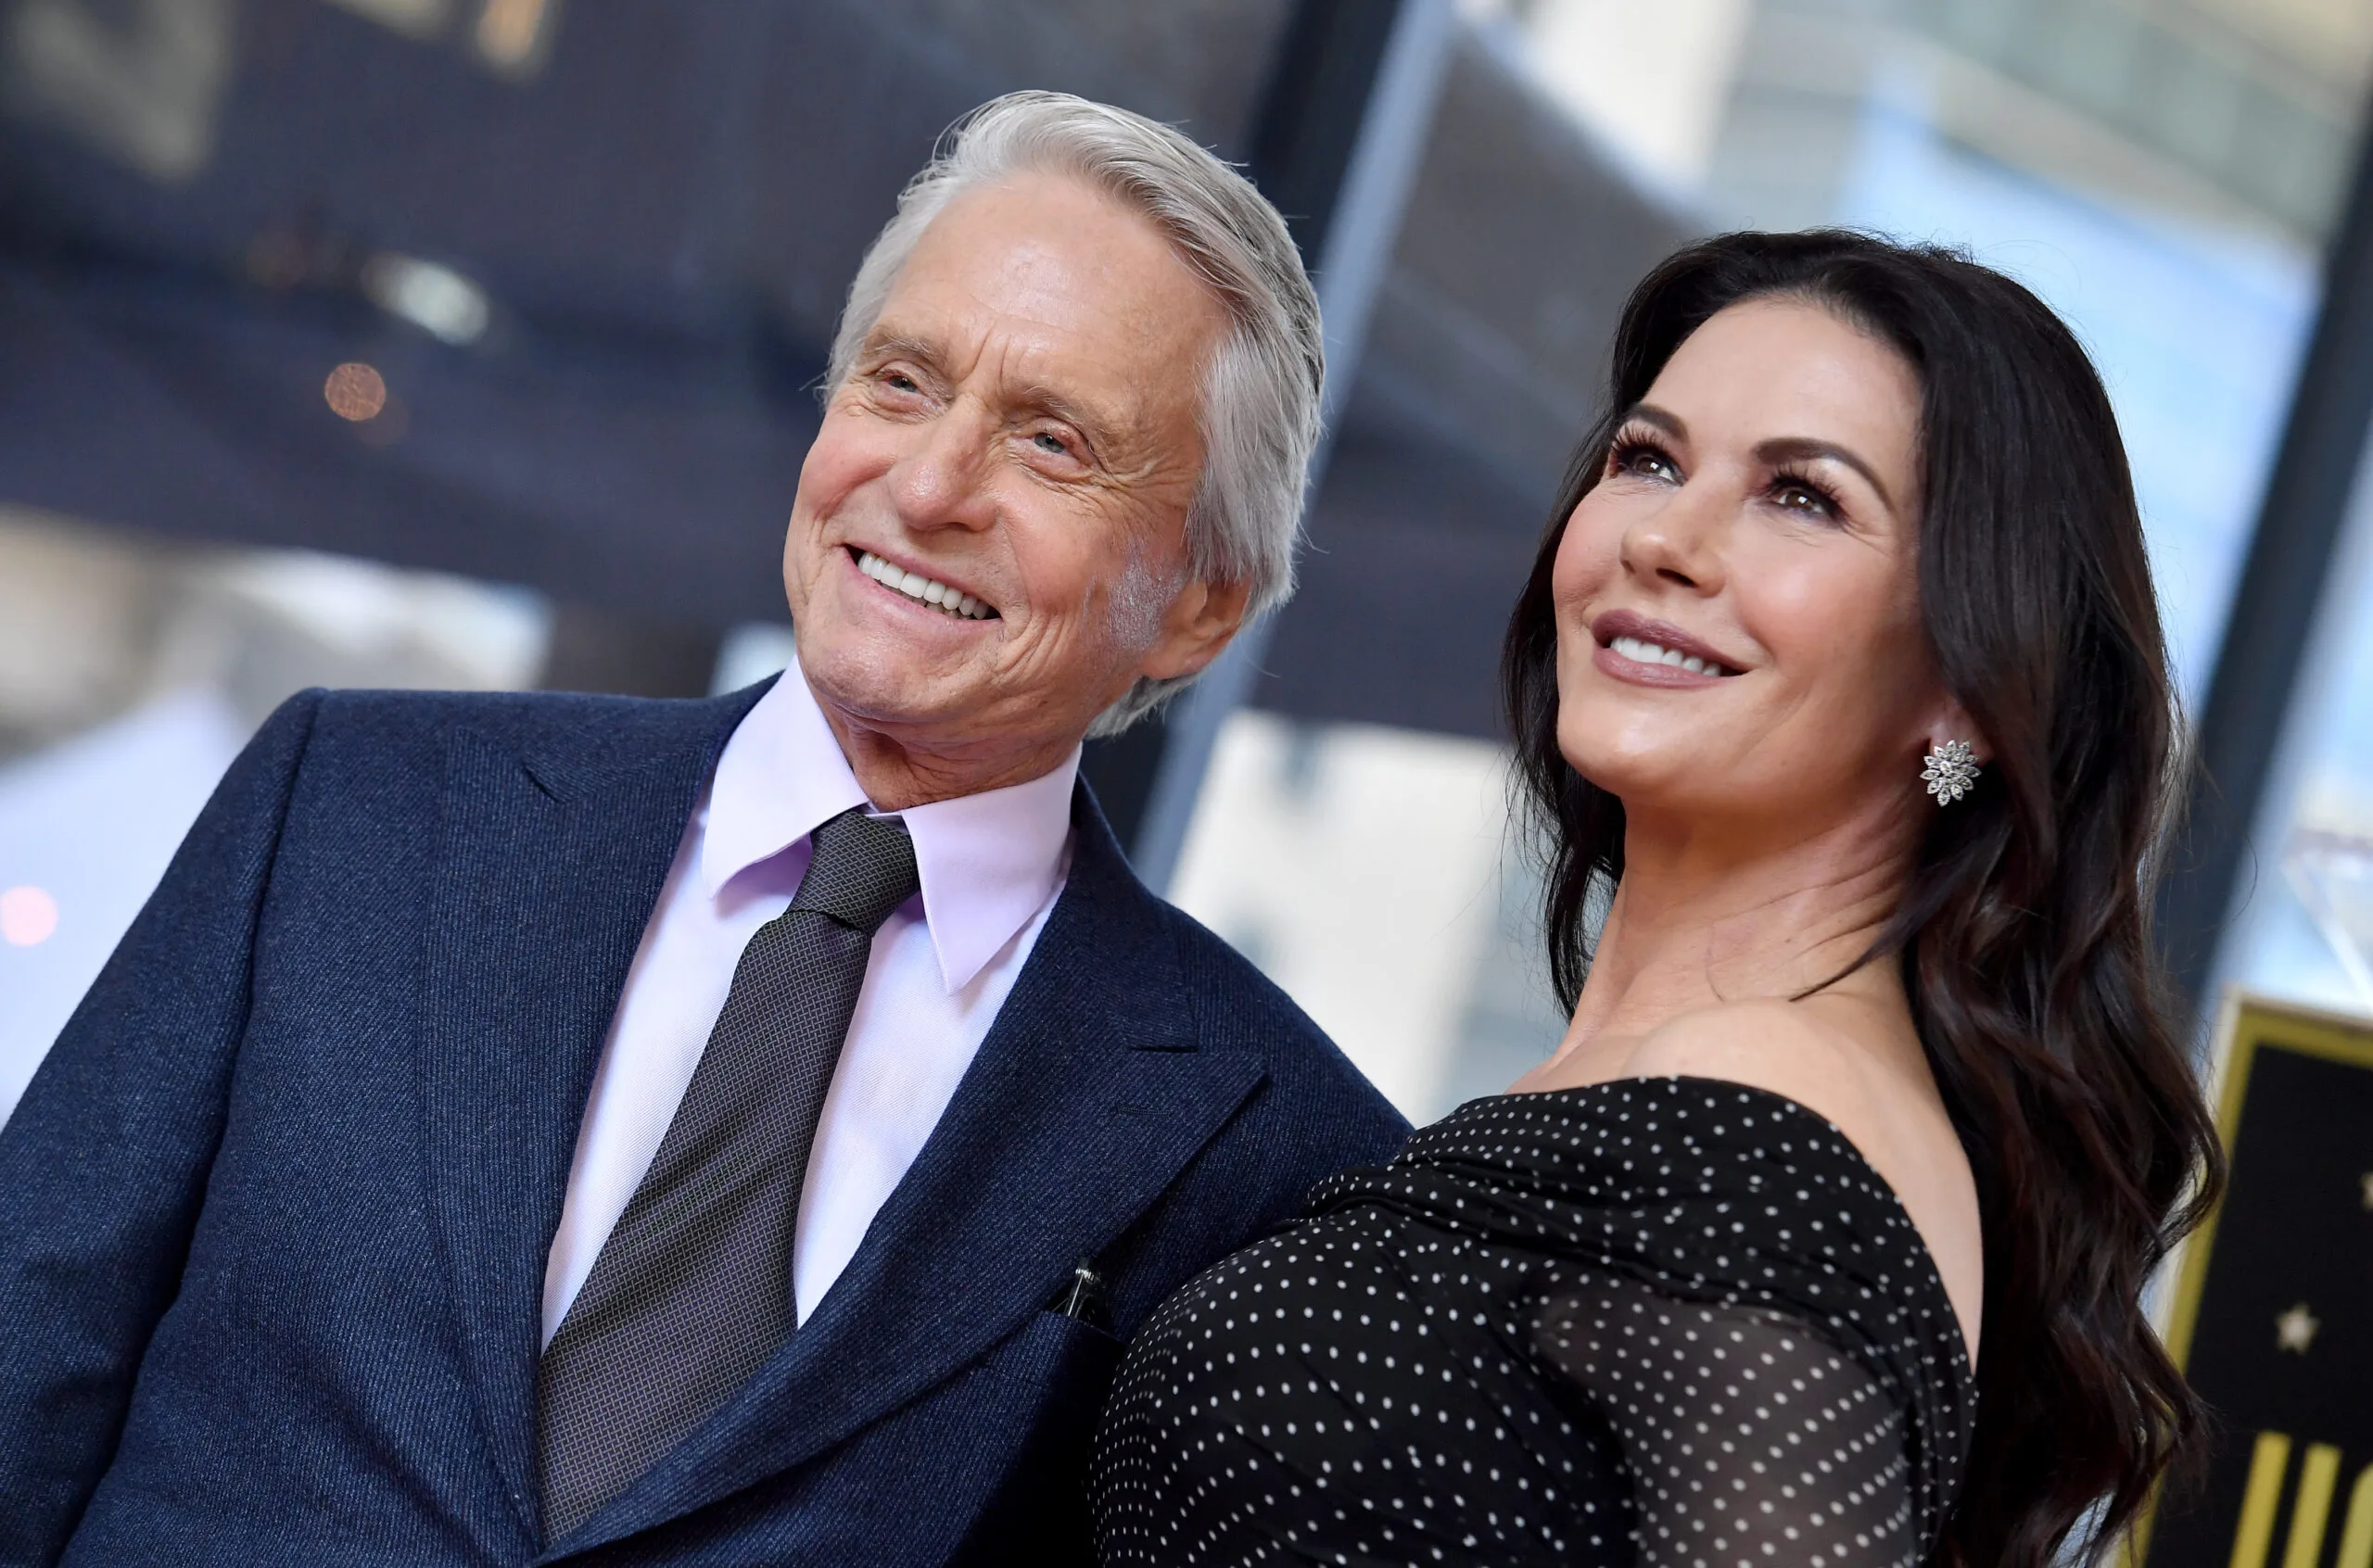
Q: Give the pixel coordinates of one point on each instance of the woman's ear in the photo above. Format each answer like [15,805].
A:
[1950,721]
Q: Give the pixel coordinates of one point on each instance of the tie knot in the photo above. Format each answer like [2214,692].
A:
[862,868]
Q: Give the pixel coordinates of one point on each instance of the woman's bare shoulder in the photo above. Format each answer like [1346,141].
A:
[1842,1062]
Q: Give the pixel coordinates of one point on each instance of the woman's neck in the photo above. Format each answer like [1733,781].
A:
[1704,915]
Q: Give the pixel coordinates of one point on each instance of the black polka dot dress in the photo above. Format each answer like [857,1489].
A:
[1668,1322]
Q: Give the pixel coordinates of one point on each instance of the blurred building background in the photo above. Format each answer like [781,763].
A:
[472,343]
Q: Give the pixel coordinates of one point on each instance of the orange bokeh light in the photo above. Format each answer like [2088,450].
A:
[355,391]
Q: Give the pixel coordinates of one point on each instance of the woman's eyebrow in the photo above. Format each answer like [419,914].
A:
[1663,419]
[1803,449]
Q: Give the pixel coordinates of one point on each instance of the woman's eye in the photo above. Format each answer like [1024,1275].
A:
[901,382]
[1644,461]
[1802,498]
[1051,445]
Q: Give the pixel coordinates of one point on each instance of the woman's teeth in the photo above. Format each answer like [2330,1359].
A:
[1642,652]
[914,585]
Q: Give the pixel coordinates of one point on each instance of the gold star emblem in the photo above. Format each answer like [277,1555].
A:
[2295,1330]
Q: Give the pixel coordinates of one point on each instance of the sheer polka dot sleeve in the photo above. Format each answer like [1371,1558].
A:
[1748,1438]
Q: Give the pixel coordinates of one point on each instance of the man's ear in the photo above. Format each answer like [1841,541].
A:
[1199,623]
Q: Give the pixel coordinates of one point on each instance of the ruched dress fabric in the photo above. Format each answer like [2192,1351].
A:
[1674,1322]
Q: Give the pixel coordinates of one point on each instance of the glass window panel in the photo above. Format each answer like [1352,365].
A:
[2164,172]
[2302,926]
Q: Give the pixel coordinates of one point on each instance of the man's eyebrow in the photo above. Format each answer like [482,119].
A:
[1803,449]
[896,345]
[1092,424]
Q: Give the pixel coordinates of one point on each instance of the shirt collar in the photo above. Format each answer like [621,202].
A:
[986,862]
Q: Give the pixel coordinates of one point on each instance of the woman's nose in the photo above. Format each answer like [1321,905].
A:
[1680,542]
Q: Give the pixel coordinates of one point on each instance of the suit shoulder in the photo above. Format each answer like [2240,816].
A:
[545,721]
[498,711]
[1239,1008]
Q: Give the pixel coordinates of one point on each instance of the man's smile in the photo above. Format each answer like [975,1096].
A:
[922,589]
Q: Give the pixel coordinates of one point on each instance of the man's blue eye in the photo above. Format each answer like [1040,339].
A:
[1053,444]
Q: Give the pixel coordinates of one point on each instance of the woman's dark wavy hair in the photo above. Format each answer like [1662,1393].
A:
[2023,931]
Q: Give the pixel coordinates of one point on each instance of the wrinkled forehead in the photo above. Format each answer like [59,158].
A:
[1045,281]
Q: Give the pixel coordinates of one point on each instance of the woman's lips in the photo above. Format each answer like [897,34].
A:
[1642,674]
[1650,653]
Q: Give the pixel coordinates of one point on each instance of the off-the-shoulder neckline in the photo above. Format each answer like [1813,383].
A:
[1919,1237]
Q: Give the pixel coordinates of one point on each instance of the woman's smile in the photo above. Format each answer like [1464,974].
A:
[1644,652]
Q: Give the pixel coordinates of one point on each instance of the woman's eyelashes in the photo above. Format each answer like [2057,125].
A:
[1794,490]
[1636,452]
[1641,456]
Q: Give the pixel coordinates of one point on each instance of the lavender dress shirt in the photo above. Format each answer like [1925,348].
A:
[991,866]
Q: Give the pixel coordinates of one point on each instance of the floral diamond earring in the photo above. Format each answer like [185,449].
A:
[1949,772]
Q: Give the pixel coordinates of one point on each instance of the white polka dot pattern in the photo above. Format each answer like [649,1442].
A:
[1747,1438]
[1670,1321]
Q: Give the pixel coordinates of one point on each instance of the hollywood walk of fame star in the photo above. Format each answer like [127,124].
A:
[2295,1330]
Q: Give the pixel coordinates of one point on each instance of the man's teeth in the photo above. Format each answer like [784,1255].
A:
[1646,652]
[914,585]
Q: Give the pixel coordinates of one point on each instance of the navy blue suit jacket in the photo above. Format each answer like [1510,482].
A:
[274,1213]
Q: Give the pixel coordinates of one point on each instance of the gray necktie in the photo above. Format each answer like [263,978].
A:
[692,1292]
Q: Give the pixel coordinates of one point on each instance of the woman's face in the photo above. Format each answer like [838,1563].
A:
[1738,616]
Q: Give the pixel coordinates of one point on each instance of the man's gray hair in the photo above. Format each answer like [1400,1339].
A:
[1260,389]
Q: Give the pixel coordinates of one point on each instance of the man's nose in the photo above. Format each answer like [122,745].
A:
[1680,543]
[941,481]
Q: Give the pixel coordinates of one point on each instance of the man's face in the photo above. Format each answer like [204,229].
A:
[1017,444]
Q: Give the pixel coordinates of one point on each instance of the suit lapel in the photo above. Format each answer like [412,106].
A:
[551,856]
[1086,1101]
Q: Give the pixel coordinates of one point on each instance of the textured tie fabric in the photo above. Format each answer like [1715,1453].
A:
[691,1291]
